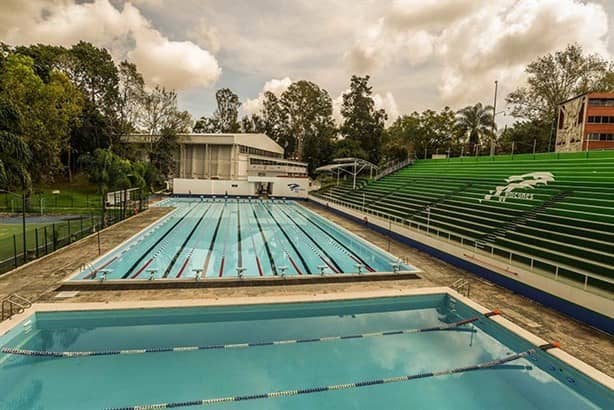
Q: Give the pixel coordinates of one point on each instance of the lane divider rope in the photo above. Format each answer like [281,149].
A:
[342,386]
[59,354]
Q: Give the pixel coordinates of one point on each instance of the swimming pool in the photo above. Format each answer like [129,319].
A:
[357,346]
[224,238]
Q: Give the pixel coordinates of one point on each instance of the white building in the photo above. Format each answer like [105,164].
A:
[234,164]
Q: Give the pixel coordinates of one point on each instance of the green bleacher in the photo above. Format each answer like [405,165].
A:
[566,227]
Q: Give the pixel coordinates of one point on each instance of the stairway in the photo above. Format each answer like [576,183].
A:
[433,204]
[511,225]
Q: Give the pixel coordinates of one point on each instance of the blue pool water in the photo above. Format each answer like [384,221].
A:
[537,382]
[219,238]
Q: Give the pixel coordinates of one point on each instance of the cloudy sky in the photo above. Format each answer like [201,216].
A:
[420,53]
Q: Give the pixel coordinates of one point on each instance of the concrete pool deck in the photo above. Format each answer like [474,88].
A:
[39,281]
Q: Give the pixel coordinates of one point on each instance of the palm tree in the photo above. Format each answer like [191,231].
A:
[475,122]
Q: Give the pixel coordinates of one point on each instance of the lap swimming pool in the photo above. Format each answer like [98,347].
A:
[228,238]
[428,351]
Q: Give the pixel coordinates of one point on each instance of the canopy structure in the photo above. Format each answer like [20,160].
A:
[351,166]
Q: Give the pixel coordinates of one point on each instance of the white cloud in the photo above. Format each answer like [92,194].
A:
[471,43]
[276,86]
[206,35]
[125,32]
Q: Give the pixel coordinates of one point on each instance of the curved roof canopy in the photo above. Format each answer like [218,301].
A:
[343,163]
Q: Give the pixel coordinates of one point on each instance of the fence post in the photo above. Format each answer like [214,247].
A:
[15,249]
[45,233]
[69,235]
[81,224]
[54,236]
[36,241]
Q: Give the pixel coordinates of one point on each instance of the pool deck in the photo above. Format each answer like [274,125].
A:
[39,281]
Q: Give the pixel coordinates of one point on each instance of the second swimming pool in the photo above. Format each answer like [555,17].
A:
[222,238]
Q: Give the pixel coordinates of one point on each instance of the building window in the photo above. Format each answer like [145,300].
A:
[601,102]
[601,119]
[600,137]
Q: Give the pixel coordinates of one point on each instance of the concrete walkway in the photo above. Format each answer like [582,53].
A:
[41,276]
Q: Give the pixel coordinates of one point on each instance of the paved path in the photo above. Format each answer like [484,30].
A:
[41,276]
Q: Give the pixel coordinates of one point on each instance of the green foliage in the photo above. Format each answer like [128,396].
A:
[347,148]
[429,131]
[160,111]
[47,110]
[475,123]
[361,121]
[15,154]
[275,123]
[164,152]
[110,171]
[252,124]
[93,71]
[225,117]
[129,103]
[308,112]
[227,112]
[554,78]
[206,125]
[523,134]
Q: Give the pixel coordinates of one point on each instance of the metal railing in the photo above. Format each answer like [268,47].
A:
[14,304]
[462,286]
[390,168]
[589,281]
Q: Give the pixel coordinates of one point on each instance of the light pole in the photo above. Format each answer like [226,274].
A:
[494,123]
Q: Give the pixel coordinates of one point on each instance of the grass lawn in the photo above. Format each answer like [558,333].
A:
[63,230]
[76,197]
[8,230]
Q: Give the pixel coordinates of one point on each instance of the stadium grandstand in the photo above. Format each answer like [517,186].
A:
[547,214]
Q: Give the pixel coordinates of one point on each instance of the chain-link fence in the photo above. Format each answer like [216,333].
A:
[50,228]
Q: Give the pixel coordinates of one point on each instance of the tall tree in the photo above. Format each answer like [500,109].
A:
[420,133]
[275,122]
[14,152]
[554,78]
[308,110]
[361,121]
[45,57]
[130,100]
[93,71]
[475,124]
[227,112]
[163,156]
[48,110]
[252,124]
[206,125]
[160,111]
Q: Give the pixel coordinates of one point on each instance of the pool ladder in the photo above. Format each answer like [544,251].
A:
[462,286]
[14,304]
[86,266]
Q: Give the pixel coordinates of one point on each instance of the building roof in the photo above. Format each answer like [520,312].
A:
[340,163]
[596,94]
[258,141]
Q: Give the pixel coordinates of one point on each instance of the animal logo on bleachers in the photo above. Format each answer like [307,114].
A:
[516,182]
[294,187]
